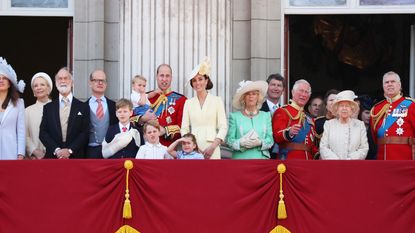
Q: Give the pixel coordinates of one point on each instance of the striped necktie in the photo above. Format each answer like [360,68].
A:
[100,110]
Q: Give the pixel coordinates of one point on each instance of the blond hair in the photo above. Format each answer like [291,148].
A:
[138,77]
[153,123]
[122,103]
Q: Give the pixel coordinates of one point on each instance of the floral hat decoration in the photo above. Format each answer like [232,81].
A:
[203,68]
[8,71]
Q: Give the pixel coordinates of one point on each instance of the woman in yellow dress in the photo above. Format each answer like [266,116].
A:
[204,114]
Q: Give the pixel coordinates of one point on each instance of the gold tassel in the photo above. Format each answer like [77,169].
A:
[282,212]
[127,212]
[127,229]
[280,229]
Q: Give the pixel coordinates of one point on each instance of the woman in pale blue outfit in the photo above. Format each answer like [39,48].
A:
[250,130]
[12,119]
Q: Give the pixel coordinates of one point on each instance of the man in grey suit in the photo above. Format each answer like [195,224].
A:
[65,122]
[102,113]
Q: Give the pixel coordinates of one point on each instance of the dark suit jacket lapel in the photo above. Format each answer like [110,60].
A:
[56,118]
[265,107]
[72,114]
[111,111]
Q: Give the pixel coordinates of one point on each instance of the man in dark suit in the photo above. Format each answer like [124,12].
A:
[65,122]
[276,86]
[102,113]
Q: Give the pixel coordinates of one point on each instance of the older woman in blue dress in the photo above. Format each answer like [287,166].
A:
[344,138]
[250,130]
[204,115]
[12,120]
[41,86]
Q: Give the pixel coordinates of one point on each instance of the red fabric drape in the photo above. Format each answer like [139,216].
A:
[207,196]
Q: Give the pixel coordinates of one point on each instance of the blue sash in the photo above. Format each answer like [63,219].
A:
[299,138]
[170,101]
[390,119]
[302,134]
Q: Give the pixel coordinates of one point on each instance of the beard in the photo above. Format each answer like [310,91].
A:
[64,89]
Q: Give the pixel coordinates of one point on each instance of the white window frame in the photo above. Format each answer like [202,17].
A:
[351,7]
[7,10]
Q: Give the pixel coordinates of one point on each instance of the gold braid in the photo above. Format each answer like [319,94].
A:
[376,118]
[300,115]
[160,100]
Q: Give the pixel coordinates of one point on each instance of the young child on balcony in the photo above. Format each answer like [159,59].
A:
[152,149]
[190,150]
[122,139]
[138,95]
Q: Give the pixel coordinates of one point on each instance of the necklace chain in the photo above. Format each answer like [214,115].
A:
[251,113]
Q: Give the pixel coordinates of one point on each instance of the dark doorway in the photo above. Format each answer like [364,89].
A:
[349,51]
[34,44]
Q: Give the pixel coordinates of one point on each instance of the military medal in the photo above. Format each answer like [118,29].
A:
[399,122]
[399,131]
[168,120]
[171,110]
[400,112]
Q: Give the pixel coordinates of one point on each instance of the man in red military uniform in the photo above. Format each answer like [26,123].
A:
[292,129]
[166,107]
[392,122]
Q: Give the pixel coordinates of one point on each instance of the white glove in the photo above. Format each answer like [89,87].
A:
[120,141]
[250,140]
[136,135]
[256,142]
[249,143]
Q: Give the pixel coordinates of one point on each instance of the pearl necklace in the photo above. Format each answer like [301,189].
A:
[249,113]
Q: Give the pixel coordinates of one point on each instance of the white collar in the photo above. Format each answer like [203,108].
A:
[122,126]
[70,97]
[154,145]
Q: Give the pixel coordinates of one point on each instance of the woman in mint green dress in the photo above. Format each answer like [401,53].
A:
[250,130]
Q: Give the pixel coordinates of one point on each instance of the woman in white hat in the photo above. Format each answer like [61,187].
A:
[344,137]
[12,122]
[204,115]
[250,130]
[41,86]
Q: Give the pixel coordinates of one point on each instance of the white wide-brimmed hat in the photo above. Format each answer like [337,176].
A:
[202,68]
[345,96]
[8,71]
[44,76]
[247,86]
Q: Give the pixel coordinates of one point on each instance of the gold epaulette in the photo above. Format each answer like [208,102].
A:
[171,130]
[409,98]
[319,117]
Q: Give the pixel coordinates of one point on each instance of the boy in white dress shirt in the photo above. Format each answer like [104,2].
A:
[152,149]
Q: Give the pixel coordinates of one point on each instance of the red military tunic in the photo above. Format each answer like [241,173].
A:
[393,128]
[298,147]
[169,111]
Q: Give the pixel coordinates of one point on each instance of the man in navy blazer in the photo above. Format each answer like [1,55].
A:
[276,86]
[65,142]
[102,113]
